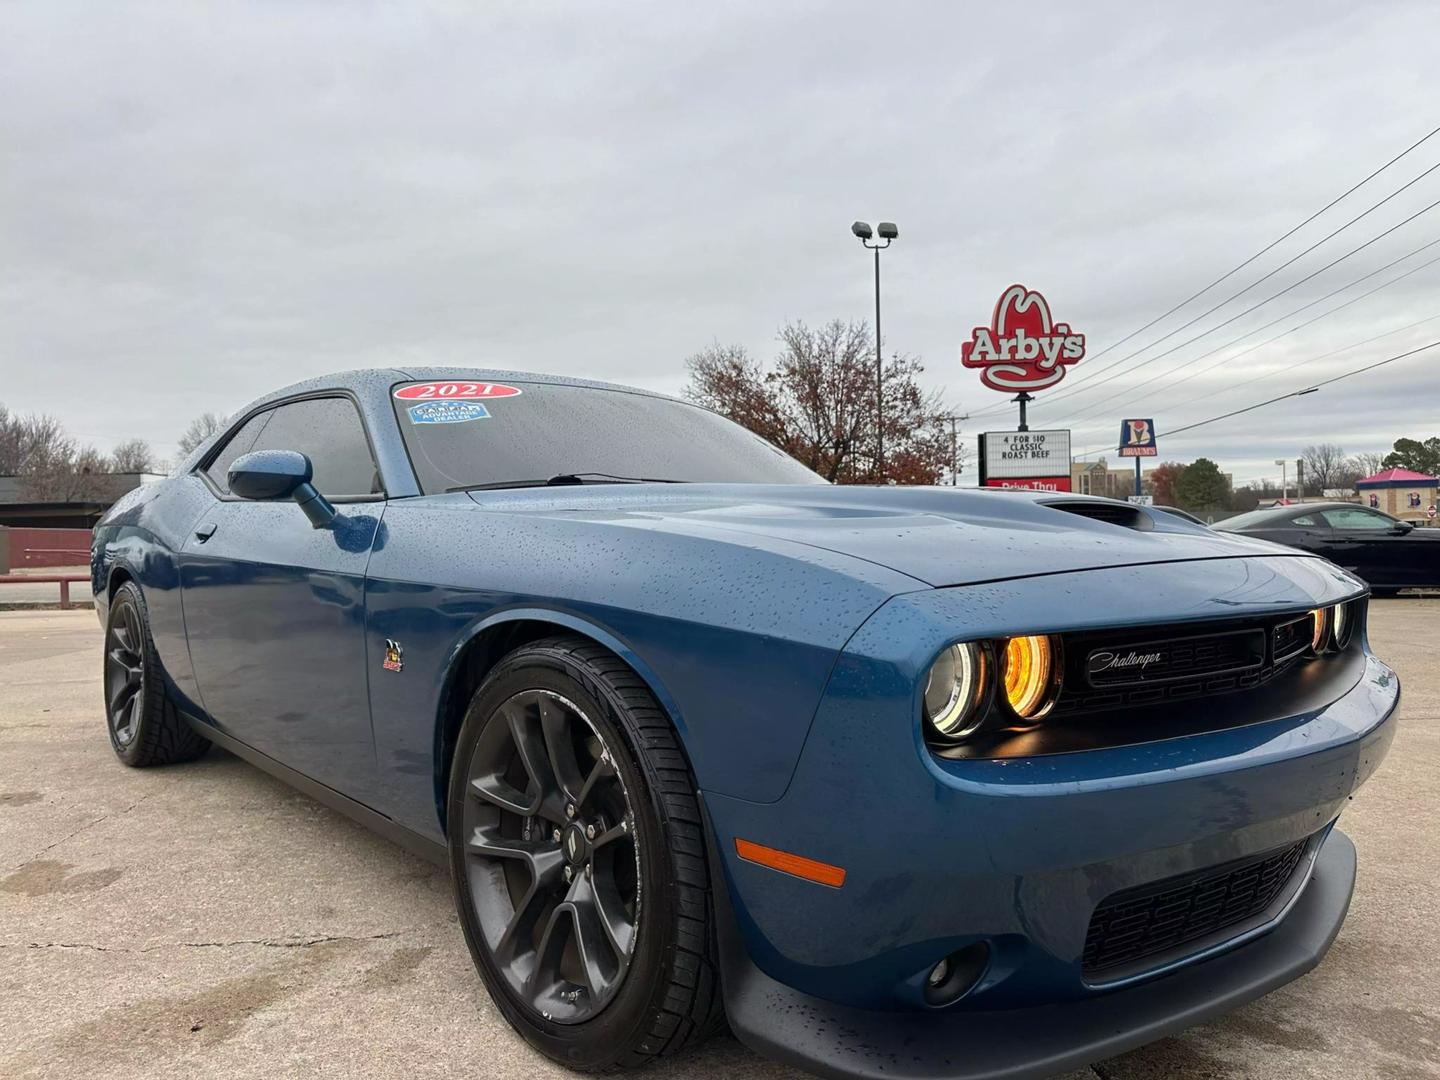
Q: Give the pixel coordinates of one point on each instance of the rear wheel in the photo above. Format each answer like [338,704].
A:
[144,726]
[579,861]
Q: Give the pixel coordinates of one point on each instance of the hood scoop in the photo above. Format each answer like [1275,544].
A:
[1112,513]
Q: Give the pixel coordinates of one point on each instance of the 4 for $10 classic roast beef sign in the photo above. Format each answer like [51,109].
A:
[1022,349]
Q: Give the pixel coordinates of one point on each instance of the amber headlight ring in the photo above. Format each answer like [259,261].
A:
[1031,666]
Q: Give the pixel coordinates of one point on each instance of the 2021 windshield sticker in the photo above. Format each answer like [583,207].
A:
[447,412]
[456,391]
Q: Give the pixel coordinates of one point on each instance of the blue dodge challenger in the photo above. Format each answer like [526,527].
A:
[902,782]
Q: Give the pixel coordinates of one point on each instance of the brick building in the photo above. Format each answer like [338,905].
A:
[1400,493]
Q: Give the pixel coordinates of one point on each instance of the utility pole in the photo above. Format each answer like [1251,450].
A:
[955,446]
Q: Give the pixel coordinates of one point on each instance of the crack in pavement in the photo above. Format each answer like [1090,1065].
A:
[83,828]
[268,943]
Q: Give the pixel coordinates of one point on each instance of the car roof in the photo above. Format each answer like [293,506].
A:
[365,380]
[371,386]
[1282,513]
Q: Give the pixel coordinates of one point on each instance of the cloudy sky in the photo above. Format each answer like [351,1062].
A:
[201,201]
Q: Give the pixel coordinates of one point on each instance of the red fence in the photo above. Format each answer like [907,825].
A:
[63,580]
[30,548]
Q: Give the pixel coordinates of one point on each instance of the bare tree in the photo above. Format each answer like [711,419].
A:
[817,403]
[200,429]
[1367,464]
[132,456]
[69,474]
[31,443]
[1325,465]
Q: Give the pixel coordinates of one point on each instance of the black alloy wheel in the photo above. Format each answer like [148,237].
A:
[551,856]
[145,727]
[579,860]
[124,675]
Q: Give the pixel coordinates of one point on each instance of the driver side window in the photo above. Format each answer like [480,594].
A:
[1357,517]
[326,430]
[240,443]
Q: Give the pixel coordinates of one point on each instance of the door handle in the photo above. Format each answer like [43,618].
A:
[205,531]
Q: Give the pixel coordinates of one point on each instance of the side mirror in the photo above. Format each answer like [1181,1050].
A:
[1400,528]
[280,474]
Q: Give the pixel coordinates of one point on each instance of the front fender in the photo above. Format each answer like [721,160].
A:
[736,638]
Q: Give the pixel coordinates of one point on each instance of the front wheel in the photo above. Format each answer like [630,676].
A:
[145,728]
[579,860]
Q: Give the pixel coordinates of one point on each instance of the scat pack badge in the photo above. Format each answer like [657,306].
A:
[394,656]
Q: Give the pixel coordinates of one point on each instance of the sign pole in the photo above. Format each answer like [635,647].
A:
[1137,476]
[1022,398]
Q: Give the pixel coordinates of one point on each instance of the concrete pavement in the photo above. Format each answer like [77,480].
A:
[206,921]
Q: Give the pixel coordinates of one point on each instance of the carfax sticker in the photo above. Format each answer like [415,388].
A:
[456,391]
[447,412]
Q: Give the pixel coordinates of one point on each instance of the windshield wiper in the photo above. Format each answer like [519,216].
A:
[566,480]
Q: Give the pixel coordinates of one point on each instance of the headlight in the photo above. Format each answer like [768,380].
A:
[1319,630]
[1029,675]
[954,690]
[1344,623]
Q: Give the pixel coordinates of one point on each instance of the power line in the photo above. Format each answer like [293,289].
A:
[1091,410]
[1311,360]
[1250,310]
[1236,269]
[1263,278]
[1293,393]
[1272,273]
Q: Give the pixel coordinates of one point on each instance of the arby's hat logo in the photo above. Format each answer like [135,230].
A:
[1023,348]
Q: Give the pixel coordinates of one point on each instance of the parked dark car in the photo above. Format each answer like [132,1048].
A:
[1388,553]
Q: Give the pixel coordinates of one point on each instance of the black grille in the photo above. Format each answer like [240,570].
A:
[1149,662]
[1135,924]
[1166,664]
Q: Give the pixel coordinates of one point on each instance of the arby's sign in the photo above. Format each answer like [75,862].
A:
[1023,349]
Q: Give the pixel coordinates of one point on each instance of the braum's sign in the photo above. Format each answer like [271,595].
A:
[1022,349]
[1137,438]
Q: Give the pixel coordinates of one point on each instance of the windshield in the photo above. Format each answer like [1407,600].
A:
[470,434]
[1271,515]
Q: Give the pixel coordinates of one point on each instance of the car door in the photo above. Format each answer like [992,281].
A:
[1369,543]
[274,608]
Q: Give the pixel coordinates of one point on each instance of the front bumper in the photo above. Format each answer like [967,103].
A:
[941,855]
[843,1041]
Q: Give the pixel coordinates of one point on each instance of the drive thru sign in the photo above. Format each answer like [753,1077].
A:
[1039,460]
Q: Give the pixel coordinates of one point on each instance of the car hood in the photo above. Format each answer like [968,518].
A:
[938,536]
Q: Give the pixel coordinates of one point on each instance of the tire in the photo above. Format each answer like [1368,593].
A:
[144,726]
[522,913]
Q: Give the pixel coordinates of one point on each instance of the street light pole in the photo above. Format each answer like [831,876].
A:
[1281,462]
[879,378]
[888,232]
